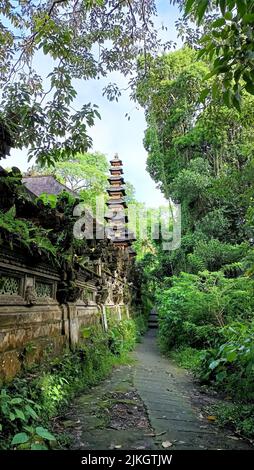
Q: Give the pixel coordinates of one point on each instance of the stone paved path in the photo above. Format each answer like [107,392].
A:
[142,406]
[167,392]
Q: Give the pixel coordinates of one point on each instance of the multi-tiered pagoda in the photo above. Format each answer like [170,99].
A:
[116,217]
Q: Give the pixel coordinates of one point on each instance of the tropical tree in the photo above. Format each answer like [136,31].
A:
[225,36]
[85,174]
[77,39]
[201,155]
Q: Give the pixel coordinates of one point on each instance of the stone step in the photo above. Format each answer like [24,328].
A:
[153,320]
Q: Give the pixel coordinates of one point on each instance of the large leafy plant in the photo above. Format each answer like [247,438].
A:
[224,35]
[24,232]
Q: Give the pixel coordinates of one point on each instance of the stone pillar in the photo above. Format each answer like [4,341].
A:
[73,325]
[127,311]
[104,318]
[119,312]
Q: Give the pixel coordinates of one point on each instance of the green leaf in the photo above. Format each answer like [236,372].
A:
[214,364]
[221,376]
[12,416]
[236,100]
[250,87]
[210,74]
[237,74]
[227,98]
[223,6]
[11,212]
[38,447]
[204,94]
[217,34]
[247,77]
[228,15]
[20,438]
[201,52]
[221,69]
[241,7]
[203,4]
[31,412]
[219,22]
[44,433]
[16,401]
[248,18]
[231,356]
[29,429]
[215,90]
[20,414]
[188,6]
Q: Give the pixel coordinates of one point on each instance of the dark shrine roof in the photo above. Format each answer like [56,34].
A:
[116,178]
[116,159]
[116,202]
[115,218]
[113,215]
[116,189]
[116,168]
[124,237]
[45,184]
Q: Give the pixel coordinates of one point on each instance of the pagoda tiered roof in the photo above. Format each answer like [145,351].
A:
[124,235]
[117,189]
[114,178]
[116,168]
[117,219]
[117,160]
[117,202]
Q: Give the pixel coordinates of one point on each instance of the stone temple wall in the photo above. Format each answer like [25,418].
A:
[35,323]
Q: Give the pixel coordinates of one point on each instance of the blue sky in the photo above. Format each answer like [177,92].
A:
[114,133]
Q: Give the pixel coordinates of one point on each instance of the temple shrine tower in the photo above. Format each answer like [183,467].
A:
[117,229]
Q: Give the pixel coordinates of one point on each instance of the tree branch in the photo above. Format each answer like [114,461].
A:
[55,2]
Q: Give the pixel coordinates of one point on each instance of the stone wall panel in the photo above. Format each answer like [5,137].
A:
[34,326]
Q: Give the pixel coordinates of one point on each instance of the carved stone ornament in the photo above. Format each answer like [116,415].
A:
[117,292]
[126,294]
[85,296]
[102,295]
[30,295]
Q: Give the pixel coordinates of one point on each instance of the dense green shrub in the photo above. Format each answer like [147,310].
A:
[185,314]
[230,366]
[141,321]
[213,254]
[122,336]
[195,308]
[238,417]
[187,357]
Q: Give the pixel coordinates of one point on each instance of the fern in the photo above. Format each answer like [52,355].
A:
[28,234]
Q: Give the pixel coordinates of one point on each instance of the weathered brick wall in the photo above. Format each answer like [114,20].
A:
[31,320]
[33,325]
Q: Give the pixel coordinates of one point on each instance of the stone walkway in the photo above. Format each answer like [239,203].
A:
[168,394]
[151,404]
